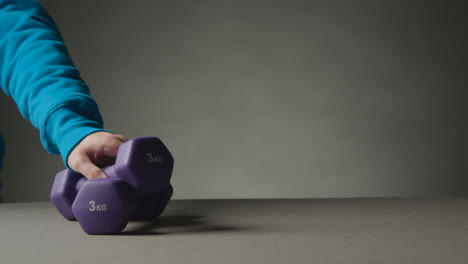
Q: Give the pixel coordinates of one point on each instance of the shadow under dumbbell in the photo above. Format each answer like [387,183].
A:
[175,224]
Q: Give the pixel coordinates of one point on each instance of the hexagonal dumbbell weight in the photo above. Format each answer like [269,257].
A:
[144,163]
[134,189]
[101,206]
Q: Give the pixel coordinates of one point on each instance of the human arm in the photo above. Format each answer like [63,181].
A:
[38,73]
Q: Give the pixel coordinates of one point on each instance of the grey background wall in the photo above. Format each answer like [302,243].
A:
[271,98]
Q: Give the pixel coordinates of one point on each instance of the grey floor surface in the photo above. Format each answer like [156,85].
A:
[250,231]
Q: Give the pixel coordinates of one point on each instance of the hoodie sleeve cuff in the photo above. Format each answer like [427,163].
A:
[65,127]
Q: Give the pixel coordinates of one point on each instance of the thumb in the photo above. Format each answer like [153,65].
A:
[89,170]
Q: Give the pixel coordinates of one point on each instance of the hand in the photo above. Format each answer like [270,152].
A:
[97,149]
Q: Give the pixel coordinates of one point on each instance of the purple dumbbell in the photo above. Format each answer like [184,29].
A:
[134,189]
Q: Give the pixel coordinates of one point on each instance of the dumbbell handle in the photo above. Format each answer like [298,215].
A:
[110,173]
[82,179]
[80,183]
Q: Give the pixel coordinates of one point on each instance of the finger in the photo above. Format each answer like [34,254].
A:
[121,138]
[111,149]
[89,170]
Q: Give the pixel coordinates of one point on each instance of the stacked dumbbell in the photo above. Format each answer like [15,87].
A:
[138,187]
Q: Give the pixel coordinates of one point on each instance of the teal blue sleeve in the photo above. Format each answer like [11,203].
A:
[38,73]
